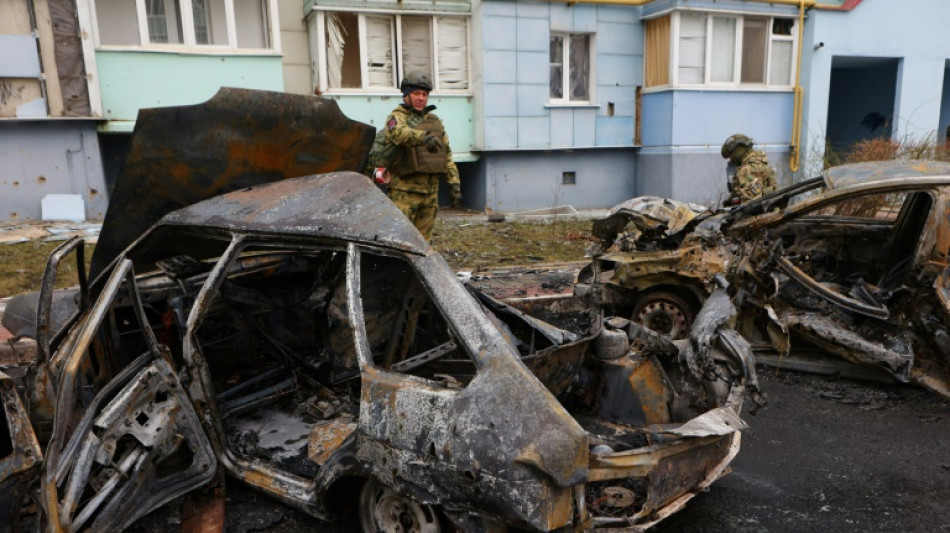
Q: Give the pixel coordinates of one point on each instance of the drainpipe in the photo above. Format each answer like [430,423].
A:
[794,156]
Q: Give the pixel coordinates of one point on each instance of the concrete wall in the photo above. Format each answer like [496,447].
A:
[49,157]
[134,80]
[518,181]
[295,46]
[515,41]
[914,32]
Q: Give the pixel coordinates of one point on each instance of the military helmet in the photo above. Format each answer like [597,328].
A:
[734,142]
[415,80]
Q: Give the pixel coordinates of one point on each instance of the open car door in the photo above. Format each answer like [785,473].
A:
[125,437]
[844,277]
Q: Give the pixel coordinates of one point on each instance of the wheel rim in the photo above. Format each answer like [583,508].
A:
[664,316]
[384,511]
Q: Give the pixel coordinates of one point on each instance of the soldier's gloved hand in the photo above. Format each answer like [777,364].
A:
[432,143]
[455,194]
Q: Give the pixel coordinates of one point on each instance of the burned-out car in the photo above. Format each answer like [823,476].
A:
[302,337]
[853,262]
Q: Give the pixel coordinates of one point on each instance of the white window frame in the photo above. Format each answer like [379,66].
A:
[565,99]
[188,30]
[323,82]
[736,84]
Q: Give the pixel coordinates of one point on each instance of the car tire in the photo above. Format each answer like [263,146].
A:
[382,510]
[664,312]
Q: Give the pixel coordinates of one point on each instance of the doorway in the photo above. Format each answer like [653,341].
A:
[861,100]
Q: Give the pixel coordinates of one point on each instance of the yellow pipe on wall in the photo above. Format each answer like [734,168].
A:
[794,156]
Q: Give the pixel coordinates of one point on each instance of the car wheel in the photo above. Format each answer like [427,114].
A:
[384,511]
[664,312]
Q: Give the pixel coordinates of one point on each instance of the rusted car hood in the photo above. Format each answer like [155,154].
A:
[239,138]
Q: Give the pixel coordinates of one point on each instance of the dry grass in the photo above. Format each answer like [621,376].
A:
[885,149]
[22,265]
[480,245]
[465,247]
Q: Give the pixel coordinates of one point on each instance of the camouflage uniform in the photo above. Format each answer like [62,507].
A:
[754,177]
[416,192]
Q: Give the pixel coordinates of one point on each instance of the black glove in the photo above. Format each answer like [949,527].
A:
[455,194]
[432,143]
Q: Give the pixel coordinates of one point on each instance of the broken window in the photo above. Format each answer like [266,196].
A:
[570,56]
[416,44]
[781,56]
[244,24]
[736,50]
[406,331]
[375,50]
[867,240]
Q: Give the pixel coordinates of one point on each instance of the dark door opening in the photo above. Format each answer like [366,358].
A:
[861,100]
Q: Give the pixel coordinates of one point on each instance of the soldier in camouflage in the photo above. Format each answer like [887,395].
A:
[422,155]
[754,177]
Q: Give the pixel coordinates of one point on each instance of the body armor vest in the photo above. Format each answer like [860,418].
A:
[416,158]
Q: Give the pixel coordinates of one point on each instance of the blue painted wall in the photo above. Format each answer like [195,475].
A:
[914,32]
[706,118]
[515,110]
[519,181]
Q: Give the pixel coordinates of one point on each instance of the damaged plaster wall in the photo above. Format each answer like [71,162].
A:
[49,157]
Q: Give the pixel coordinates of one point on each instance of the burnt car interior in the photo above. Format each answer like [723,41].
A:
[278,345]
[860,246]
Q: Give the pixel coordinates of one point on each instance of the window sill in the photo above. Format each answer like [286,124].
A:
[574,105]
[394,94]
[733,89]
[191,50]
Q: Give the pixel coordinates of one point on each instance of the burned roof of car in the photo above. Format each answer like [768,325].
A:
[853,174]
[340,205]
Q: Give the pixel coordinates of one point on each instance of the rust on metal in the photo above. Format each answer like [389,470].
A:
[854,261]
[240,138]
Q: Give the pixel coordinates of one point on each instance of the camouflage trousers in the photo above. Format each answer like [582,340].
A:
[420,208]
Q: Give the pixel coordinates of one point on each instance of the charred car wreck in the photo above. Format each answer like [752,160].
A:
[302,337]
[854,262]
